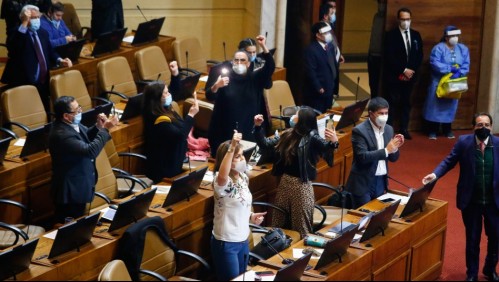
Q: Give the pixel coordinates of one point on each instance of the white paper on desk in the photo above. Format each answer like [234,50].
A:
[161,189]
[128,39]
[298,253]
[403,199]
[108,213]
[204,78]
[208,176]
[248,276]
[51,235]
[20,142]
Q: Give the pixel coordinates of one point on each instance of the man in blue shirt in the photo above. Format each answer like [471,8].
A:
[52,22]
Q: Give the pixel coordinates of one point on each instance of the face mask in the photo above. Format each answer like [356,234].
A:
[240,166]
[453,40]
[405,25]
[328,37]
[240,69]
[292,122]
[77,118]
[34,24]
[333,18]
[168,101]
[56,23]
[252,58]
[381,120]
[482,133]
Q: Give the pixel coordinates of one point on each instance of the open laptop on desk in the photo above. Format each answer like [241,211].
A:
[187,86]
[4,147]
[74,235]
[16,260]
[337,247]
[379,222]
[89,117]
[293,271]
[417,199]
[129,211]
[351,114]
[36,141]
[184,187]
[108,42]
[133,107]
[71,50]
[146,32]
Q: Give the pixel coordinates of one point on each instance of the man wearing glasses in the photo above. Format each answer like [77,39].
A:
[477,192]
[238,96]
[74,148]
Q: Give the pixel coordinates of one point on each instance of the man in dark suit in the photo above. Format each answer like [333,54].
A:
[403,57]
[74,148]
[477,192]
[107,15]
[31,55]
[373,144]
[320,68]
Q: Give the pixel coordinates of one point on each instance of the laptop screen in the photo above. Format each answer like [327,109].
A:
[36,140]
[133,107]
[379,221]
[4,147]
[337,247]
[108,42]
[184,187]
[418,199]
[71,50]
[187,86]
[294,271]
[351,114]
[17,259]
[148,31]
[132,210]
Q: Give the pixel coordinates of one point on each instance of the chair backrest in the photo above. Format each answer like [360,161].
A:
[23,104]
[71,83]
[151,62]
[114,270]
[202,118]
[197,59]
[72,21]
[277,97]
[106,184]
[116,72]
[157,256]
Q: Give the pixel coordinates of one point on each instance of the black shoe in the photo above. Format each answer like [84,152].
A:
[471,278]
[406,134]
[491,276]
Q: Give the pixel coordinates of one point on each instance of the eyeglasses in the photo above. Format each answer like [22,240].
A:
[239,61]
[482,125]
[78,110]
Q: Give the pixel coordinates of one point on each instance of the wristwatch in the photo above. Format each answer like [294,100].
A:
[336,144]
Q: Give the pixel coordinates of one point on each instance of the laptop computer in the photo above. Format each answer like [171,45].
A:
[148,31]
[71,50]
[379,221]
[129,211]
[351,114]
[133,107]
[345,226]
[187,86]
[418,198]
[293,271]
[337,247]
[36,141]
[74,235]
[89,117]
[184,187]
[16,260]
[4,147]
[108,42]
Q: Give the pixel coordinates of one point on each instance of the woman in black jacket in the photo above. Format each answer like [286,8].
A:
[296,154]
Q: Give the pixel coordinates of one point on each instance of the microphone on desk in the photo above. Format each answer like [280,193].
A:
[140,10]
[157,78]
[284,260]
[342,201]
[187,60]
[357,90]
[406,186]
[225,55]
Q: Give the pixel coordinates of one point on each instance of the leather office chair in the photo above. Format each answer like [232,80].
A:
[116,270]
[202,118]
[147,245]
[278,97]
[115,77]
[189,54]
[72,21]
[323,192]
[23,108]
[10,233]
[151,64]
[71,83]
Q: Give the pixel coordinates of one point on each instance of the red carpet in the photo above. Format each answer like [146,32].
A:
[418,157]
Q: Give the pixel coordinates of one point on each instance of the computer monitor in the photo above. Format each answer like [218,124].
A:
[187,86]
[74,235]
[417,199]
[148,31]
[108,42]
[133,107]
[36,141]
[293,271]
[351,114]
[379,221]
[89,117]
[184,187]
[132,210]
[16,260]
[337,247]
[4,147]
[71,50]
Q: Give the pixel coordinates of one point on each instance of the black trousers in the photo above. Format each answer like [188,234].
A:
[374,71]
[473,215]
[399,99]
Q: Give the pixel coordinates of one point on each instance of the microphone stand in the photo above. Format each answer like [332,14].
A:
[406,186]
[284,260]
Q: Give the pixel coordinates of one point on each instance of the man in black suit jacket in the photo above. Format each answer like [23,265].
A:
[403,57]
[320,69]
[74,148]
[31,55]
[373,144]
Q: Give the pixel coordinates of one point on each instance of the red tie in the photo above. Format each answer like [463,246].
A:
[482,147]
[41,61]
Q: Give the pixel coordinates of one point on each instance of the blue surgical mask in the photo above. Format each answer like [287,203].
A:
[77,118]
[34,24]
[168,101]
[56,23]
[252,58]
[333,18]
[292,122]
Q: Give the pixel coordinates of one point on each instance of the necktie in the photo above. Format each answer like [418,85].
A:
[326,47]
[407,42]
[41,61]
[482,147]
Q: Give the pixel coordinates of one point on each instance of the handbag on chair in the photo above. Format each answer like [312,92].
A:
[277,240]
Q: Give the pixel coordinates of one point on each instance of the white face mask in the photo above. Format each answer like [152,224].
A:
[453,40]
[328,37]
[381,120]
[240,69]
[240,166]
[405,25]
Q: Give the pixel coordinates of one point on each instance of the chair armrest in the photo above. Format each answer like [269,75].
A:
[9,132]
[18,232]
[26,211]
[18,124]
[324,215]
[153,274]
[196,257]
[212,62]
[135,155]
[187,71]
[254,258]
[100,99]
[119,171]
[326,186]
[258,228]
[106,94]
[134,180]
[104,197]
[265,204]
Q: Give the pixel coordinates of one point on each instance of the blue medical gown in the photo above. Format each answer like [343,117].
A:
[443,110]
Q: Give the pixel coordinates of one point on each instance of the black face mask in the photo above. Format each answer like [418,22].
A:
[482,133]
